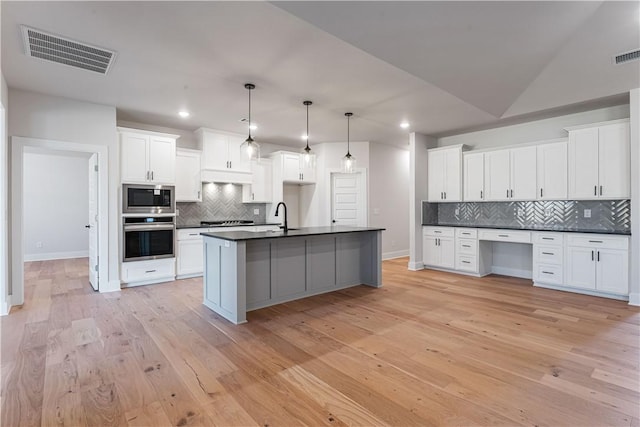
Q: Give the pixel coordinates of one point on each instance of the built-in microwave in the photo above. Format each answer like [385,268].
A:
[148,199]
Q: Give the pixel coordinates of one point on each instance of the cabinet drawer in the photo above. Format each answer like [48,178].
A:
[467,233]
[466,247]
[505,236]
[547,273]
[438,231]
[190,233]
[545,238]
[598,241]
[139,271]
[467,263]
[548,254]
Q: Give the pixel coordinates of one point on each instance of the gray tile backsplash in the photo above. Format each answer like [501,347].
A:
[606,215]
[219,202]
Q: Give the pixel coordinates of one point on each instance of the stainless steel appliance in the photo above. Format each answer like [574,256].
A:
[148,199]
[148,237]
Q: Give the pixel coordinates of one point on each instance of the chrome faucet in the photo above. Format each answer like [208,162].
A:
[286,225]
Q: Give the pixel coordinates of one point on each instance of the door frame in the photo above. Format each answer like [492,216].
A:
[18,145]
[363,192]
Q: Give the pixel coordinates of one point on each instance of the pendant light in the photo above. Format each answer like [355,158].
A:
[348,161]
[307,157]
[250,150]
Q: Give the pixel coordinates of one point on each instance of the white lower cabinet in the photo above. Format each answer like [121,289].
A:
[548,259]
[438,247]
[136,273]
[189,256]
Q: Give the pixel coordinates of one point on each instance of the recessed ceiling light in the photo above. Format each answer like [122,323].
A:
[184,114]
[404,125]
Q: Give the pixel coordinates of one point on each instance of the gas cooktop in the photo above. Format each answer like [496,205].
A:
[227,222]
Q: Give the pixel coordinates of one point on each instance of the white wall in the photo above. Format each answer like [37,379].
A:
[537,130]
[634,116]
[4,196]
[41,116]
[56,206]
[389,197]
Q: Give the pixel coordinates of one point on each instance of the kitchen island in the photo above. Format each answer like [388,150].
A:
[245,270]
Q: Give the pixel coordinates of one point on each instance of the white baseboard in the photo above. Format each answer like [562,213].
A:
[415,266]
[395,254]
[634,299]
[56,255]
[5,307]
[514,272]
[581,291]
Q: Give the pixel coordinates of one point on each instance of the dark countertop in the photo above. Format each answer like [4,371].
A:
[535,228]
[178,227]
[306,231]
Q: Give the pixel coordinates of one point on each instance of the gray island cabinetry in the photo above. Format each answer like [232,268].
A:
[245,270]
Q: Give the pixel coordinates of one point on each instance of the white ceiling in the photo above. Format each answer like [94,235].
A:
[440,65]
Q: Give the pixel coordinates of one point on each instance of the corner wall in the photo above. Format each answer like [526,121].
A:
[4,199]
[418,145]
[634,122]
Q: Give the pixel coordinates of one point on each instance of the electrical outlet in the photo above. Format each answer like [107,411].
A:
[548,212]
[39,244]
[177,212]
[520,212]
[587,213]
[256,211]
[457,211]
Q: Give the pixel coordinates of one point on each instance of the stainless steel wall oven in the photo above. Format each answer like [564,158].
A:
[148,238]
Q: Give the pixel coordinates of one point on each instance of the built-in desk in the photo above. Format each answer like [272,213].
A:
[595,264]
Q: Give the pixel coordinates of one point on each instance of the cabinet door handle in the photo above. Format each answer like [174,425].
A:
[481,194]
[592,256]
[601,190]
[151,175]
[595,190]
[507,193]
[445,195]
[541,192]
[548,253]
[598,256]
[198,194]
[512,194]
[147,178]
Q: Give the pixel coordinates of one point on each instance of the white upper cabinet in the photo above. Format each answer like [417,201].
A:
[221,151]
[290,170]
[599,166]
[188,182]
[261,188]
[510,174]
[552,171]
[473,177]
[444,174]
[147,157]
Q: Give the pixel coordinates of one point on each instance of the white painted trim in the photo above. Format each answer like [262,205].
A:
[514,272]
[415,266]
[581,291]
[146,132]
[595,125]
[111,286]
[56,255]
[18,145]
[634,299]
[395,254]
[364,192]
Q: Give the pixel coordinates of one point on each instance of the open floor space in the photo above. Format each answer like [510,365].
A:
[428,348]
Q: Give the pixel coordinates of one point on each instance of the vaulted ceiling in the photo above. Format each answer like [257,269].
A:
[442,66]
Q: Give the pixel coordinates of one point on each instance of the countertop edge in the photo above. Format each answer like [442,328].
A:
[251,235]
[481,227]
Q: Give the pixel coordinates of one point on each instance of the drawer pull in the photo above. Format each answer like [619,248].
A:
[193,234]
[548,272]
[466,246]
[503,235]
[466,262]
[548,253]
[595,241]
[548,238]
[150,271]
[436,231]
[467,233]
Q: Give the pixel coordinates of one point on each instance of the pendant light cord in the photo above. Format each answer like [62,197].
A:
[307,148]
[348,133]
[250,114]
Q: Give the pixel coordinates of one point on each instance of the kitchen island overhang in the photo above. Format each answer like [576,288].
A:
[245,270]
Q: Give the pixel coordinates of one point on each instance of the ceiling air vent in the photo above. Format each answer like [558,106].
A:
[634,55]
[50,47]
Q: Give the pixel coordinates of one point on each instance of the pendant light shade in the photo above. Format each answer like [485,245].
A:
[250,150]
[307,156]
[348,161]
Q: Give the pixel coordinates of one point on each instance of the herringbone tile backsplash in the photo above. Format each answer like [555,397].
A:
[219,202]
[606,215]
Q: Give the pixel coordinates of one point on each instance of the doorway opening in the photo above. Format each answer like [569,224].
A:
[53,217]
[349,199]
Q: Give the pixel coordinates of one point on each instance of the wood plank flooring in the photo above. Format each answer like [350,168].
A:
[429,348]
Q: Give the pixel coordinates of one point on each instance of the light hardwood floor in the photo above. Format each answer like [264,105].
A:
[429,348]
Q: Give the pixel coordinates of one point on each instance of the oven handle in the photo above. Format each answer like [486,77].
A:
[148,227]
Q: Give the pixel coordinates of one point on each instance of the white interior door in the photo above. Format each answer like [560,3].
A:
[347,199]
[93,221]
